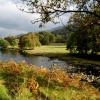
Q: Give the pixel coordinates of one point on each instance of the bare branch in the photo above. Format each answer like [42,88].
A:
[55,8]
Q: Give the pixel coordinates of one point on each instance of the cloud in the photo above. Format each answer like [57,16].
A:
[15,21]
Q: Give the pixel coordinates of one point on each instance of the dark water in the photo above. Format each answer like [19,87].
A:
[6,55]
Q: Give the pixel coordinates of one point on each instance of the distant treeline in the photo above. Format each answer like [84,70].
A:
[31,40]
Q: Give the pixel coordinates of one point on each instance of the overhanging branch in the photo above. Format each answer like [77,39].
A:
[77,11]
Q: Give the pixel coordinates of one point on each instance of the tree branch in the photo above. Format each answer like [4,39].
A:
[69,11]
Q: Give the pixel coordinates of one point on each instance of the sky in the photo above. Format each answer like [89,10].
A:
[13,21]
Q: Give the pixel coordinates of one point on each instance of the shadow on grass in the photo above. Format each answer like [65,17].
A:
[86,56]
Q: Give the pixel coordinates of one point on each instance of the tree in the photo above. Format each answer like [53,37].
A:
[46,38]
[71,42]
[51,38]
[4,43]
[85,34]
[12,40]
[29,41]
[49,9]
[86,18]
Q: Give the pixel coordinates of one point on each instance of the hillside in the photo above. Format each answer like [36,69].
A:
[60,30]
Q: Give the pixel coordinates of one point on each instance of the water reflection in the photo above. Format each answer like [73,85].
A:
[36,60]
[6,55]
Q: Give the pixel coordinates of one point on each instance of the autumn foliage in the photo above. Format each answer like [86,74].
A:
[22,75]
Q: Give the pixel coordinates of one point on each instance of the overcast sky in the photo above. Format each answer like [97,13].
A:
[14,21]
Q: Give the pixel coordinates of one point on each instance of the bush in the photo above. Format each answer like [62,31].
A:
[13,41]
[4,93]
[4,43]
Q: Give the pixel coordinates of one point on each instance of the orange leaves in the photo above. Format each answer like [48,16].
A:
[65,79]
[75,81]
[32,85]
[11,67]
[1,65]
[56,74]
[23,75]
[41,71]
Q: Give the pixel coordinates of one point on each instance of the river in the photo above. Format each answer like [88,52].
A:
[6,55]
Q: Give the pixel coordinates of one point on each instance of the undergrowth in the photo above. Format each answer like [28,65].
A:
[22,81]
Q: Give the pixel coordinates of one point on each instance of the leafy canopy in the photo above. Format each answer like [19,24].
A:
[4,43]
[48,10]
[29,41]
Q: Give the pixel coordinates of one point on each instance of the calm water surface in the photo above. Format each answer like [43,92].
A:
[6,55]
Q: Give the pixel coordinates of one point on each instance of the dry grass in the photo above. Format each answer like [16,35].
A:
[33,83]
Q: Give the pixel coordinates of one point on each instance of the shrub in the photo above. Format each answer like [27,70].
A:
[13,41]
[28,82]
[4,93]
[4,43]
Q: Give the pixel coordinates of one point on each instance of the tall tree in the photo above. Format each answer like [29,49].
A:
[29,41]
[85,34]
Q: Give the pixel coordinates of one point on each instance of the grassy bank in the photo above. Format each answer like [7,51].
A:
[21,81]
[59,51]
[52,50]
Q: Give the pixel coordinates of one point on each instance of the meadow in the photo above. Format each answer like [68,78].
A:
[49,49]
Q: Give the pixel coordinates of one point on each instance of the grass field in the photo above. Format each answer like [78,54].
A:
[50,49]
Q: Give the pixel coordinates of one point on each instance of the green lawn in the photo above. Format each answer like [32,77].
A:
[49,49]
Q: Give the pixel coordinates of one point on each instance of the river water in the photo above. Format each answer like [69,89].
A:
[6,55]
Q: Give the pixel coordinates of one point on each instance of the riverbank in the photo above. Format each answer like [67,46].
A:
[22,81]
[60,52]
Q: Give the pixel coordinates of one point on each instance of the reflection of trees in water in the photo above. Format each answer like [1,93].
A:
[4,51]
[89,69]
[7,51]
[14,51]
